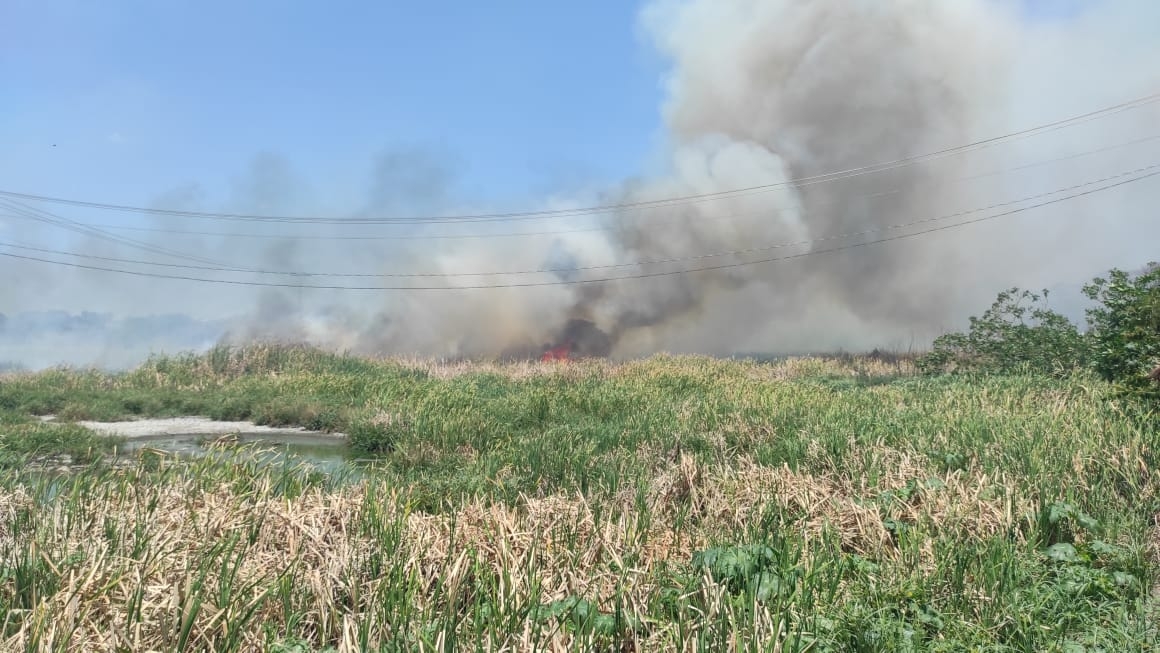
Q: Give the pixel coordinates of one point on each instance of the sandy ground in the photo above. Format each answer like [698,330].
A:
[151,428]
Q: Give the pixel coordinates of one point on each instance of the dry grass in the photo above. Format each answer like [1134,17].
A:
[915,509]
[554,547]
[727,499]
[784,369]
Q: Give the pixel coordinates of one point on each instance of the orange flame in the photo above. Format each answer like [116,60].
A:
[557,353]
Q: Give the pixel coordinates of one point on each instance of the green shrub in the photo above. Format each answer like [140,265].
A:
[1125,327]
[1018,333]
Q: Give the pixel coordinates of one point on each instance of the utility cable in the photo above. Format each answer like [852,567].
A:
[678,259]
[666,202]
[605,228]
[570,282]
[40,215]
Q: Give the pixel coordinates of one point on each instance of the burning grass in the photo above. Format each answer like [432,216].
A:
[669,504]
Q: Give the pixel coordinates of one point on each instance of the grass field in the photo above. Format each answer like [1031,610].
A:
[671,504]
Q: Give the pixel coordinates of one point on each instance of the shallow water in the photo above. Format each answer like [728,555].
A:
[324,453]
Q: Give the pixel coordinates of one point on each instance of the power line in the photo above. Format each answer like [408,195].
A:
[681,259]
[644,275]
[487,236]
[535,215]
[40,215]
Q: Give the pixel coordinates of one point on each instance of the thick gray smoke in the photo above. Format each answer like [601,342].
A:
[759,92]
[766,91]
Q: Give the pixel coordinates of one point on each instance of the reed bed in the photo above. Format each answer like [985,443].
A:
[670,504]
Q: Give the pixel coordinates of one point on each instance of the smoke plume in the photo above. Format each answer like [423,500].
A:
[763,92]
[758,93]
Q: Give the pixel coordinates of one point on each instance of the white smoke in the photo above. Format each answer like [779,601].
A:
[758,93]
[761,91]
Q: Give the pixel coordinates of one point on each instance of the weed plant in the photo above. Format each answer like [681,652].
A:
[670,504]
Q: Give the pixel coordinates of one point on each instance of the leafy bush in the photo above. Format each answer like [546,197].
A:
[758,568]
[1018,333]
[582,616]
[1125,327]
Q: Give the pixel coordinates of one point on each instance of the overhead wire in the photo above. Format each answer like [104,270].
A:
[569,282]
[488,236]
[678,259]
[22,210]
[658,203]
[45,217]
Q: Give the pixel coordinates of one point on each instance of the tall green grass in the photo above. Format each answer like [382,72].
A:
[666,504]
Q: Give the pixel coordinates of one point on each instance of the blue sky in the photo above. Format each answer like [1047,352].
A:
[124,100]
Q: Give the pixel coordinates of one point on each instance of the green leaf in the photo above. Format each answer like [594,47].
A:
[770,586]
[1063,552]
[1126,580]
[1105,550]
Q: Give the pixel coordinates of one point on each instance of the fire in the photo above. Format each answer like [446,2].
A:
[580,339]
[557,353]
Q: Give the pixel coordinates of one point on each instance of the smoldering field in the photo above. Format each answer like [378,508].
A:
[757,94]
